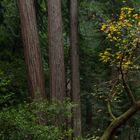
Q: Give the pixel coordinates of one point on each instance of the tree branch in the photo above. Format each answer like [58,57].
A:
[110,111]
[126,87]
[109,101]
[119,121]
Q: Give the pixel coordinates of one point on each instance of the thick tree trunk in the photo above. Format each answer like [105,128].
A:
[120,121]
[75,67]
[56,50]
[31,48]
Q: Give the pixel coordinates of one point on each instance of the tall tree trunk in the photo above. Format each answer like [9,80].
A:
[56,50]
[31,48]
[75,67]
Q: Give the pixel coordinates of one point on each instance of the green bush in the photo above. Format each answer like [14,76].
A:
[35,121]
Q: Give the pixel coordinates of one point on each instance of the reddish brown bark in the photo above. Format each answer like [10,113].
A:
[75,67]
[56,50]
[31,48]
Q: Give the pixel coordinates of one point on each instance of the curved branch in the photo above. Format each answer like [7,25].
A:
[109,101]
[110,111]
[119,121]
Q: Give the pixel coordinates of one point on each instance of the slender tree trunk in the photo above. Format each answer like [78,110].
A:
[56,50]
[75,67]
[31,48]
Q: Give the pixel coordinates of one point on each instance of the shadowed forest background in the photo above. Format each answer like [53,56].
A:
[69,69]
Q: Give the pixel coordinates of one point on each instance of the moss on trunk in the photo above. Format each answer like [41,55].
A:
[119,121]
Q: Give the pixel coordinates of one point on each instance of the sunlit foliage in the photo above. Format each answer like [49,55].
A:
[124,34]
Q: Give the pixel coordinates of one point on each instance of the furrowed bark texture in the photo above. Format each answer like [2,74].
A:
[31,48]
[75,81]
[56,50]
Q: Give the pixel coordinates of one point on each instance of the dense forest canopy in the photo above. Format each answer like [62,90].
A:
[69,69]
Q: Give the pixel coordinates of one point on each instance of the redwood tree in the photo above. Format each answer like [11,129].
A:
[56,50]
[74,47]
[31,48]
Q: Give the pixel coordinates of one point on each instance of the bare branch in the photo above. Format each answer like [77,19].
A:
[126,86]
[109,101]
[110,111]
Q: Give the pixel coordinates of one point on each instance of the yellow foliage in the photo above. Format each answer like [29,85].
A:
[124,33]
